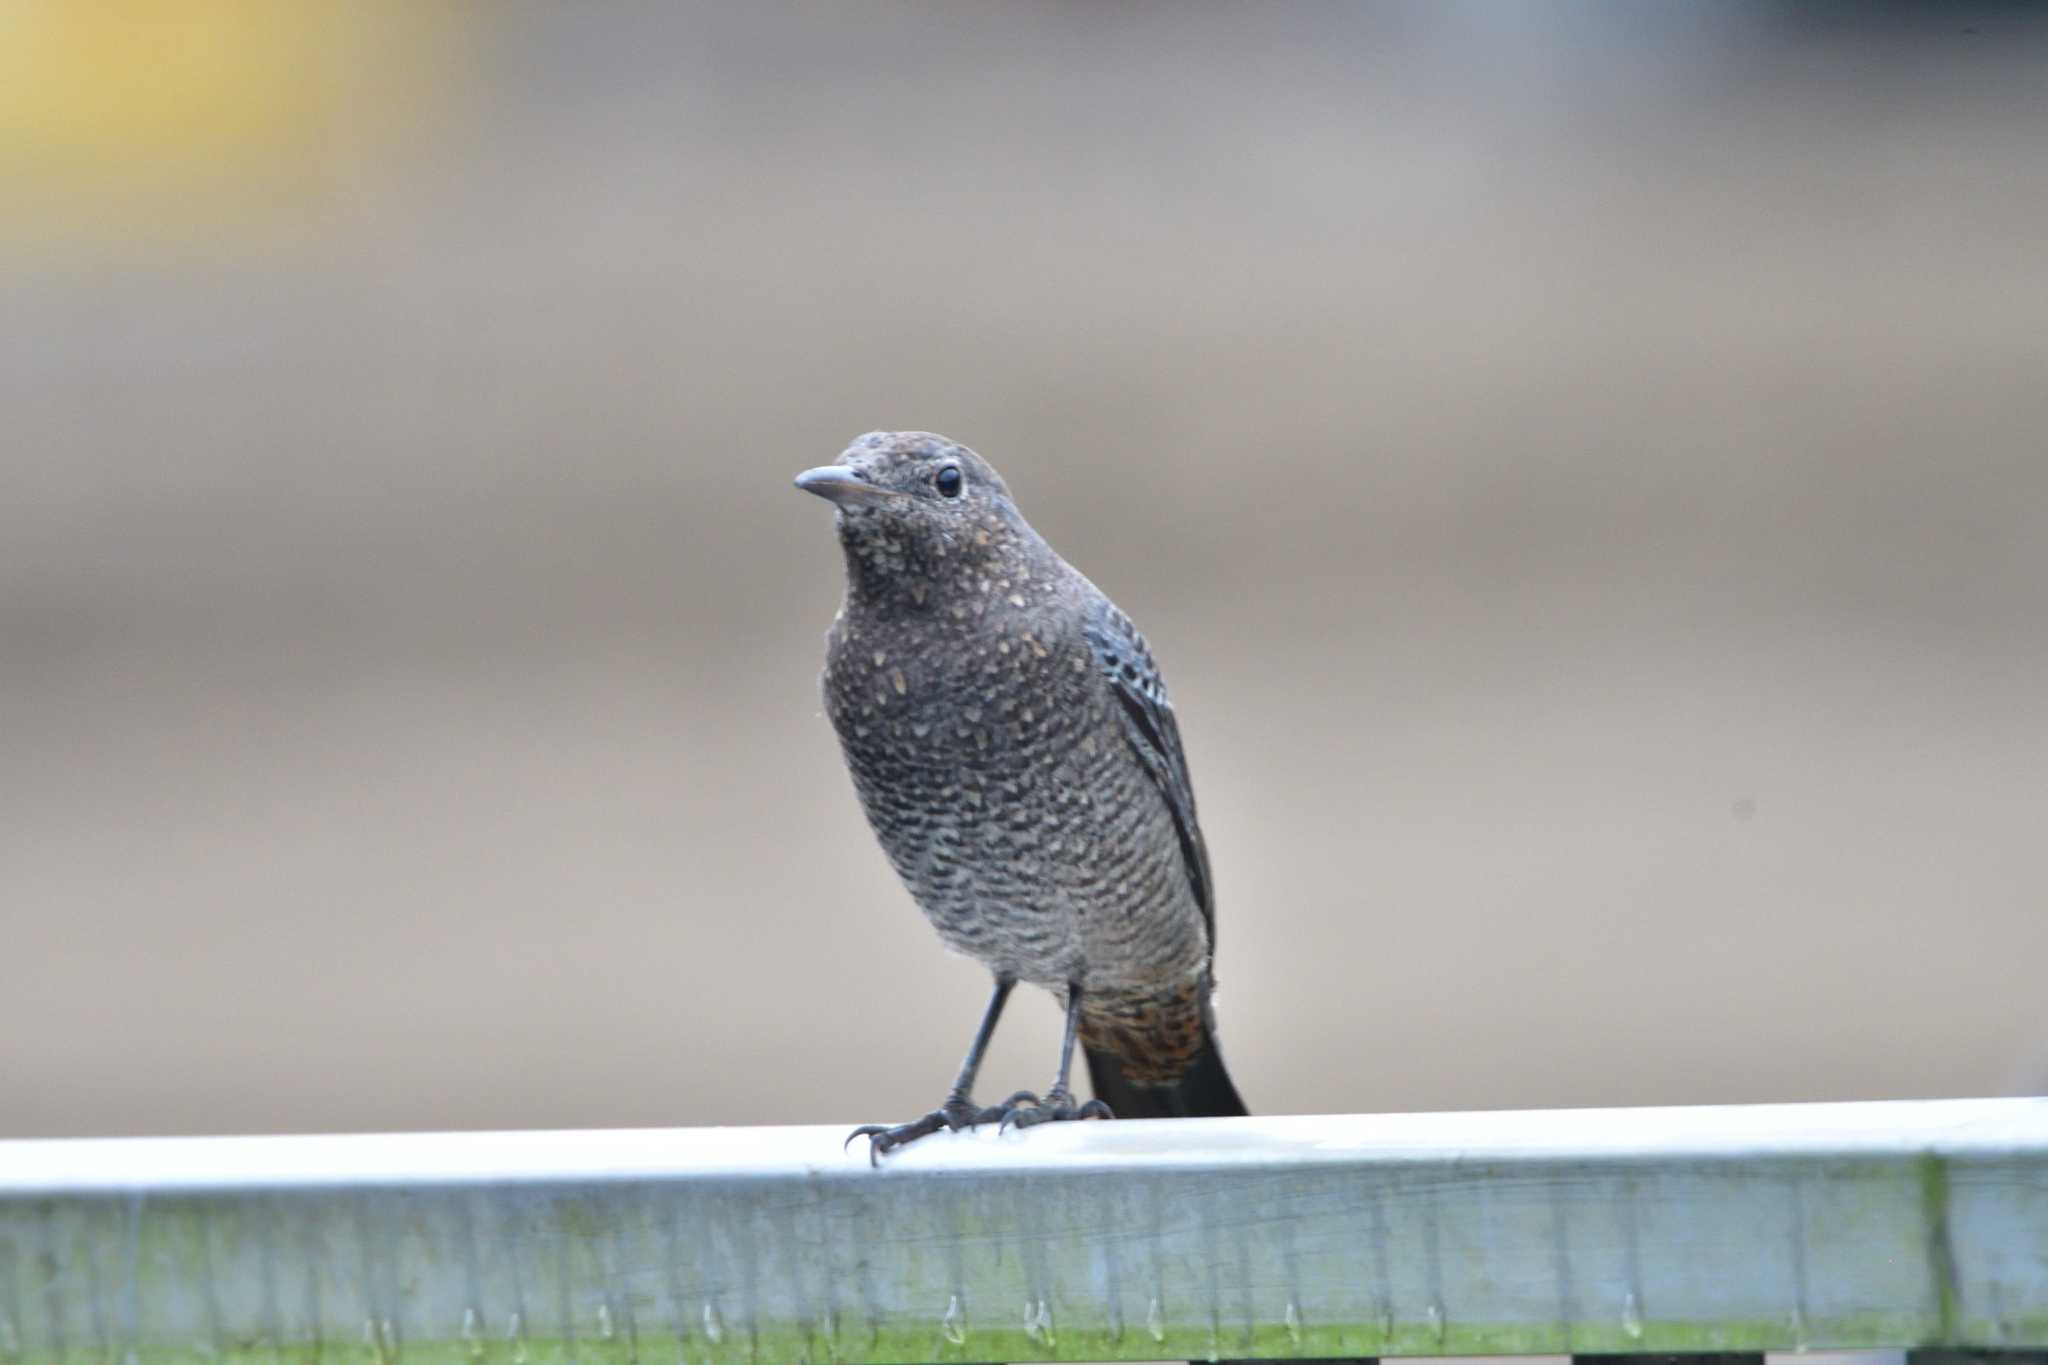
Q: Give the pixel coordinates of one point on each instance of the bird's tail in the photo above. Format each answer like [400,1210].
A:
[1158,1059]
[1204,1091]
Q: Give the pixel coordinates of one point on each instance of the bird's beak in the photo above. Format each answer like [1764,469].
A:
[843,484]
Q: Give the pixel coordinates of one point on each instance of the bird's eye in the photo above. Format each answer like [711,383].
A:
[948,481]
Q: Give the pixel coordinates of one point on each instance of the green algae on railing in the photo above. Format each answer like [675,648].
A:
[1802,1227]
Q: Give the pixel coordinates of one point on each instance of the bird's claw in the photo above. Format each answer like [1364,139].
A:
[887,1137]
[956,1113]
[1057,1107]
[1022,1110]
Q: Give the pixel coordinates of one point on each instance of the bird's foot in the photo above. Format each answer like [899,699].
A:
[1022,1110]
[1026,1110]
[956,1113]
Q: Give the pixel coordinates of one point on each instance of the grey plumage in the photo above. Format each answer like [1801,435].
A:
[1016,752]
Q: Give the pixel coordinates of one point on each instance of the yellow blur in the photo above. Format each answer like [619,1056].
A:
[110,107]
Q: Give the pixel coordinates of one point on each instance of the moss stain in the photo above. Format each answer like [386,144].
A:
[1941,1254]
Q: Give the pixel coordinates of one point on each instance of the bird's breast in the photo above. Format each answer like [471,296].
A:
[969,738]
[944,694]
[992,766]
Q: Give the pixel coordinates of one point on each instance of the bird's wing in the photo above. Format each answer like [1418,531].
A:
[1154,737]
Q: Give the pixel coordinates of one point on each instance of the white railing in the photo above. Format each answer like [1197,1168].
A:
[1776,1227]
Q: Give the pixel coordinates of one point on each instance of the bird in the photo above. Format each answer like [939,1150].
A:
[1017,755]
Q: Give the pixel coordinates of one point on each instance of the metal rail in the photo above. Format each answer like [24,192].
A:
[1635,1231]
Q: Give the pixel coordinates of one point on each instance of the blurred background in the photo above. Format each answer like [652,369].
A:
[1581,465]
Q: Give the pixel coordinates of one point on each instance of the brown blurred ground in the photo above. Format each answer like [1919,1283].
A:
[1583,469]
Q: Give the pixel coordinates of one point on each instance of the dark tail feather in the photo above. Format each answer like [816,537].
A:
[1204,1092]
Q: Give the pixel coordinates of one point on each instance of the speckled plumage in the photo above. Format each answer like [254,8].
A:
[1015,751]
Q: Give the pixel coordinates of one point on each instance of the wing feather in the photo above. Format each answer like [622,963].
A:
[1154,737]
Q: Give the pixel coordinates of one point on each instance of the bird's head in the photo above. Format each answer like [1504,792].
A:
[915,510]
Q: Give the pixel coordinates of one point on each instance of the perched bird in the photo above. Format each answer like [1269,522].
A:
[1012,744]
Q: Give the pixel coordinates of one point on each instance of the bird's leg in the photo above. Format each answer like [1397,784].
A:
[959,1107]
[1026,1110]
[959,1110]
